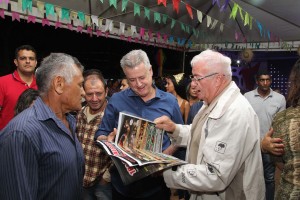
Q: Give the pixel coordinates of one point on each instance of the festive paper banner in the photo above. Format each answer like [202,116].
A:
[58,11]
[164,2]
[95,20]
[137,9]
[40,6]
[113,2]
[87,20]
[65,13]
[176,5]
[57,24]
[70,27]
[189,9]
[124,5]
[49,9]
[80,16]
[164,18]
[221,27]
[122,28]
[27,4]
[147,13]
[208,20]
[15,16]
[157,17]
[213,26]
[31,19]
[199,16]
[234,11]
[45,22]
[2,14]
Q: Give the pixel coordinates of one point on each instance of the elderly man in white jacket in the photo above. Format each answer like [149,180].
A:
[223,142]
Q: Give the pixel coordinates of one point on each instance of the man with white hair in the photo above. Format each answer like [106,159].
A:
[223,142]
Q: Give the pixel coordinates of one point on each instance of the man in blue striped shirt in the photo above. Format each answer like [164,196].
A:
[41,157]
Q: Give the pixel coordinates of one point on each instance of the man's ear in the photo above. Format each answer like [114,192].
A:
[16,62]
[58,84]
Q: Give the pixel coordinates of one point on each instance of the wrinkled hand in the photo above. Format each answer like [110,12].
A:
[110,137]
[170,150]
[272,145]
[165,123]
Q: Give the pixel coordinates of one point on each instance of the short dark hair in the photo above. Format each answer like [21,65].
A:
[25,100]
[24,47]
[94,72]
[262,72]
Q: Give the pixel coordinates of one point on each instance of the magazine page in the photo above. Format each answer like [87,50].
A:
[138,137]
[112,150]
[131,174]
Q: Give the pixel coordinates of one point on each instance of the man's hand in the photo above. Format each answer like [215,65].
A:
[110,137]
[272,145]
[165,123]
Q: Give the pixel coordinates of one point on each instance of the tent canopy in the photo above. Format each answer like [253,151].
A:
[190,24]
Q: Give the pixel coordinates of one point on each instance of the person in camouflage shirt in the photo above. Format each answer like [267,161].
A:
[286,125]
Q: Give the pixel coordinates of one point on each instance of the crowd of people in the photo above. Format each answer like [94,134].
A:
[233,143]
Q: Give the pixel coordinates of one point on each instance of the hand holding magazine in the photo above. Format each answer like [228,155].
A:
[137,150]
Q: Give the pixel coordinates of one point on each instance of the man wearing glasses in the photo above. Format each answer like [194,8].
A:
[266,104]
[223,144]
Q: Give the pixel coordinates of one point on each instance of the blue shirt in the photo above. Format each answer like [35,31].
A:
[193,111]
[40,157]
[162,104]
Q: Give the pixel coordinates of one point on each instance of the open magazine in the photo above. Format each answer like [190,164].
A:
[137,150]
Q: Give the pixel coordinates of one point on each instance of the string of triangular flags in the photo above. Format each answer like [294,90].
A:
[82,20]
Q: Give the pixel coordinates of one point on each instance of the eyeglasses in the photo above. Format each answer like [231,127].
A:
[194,78]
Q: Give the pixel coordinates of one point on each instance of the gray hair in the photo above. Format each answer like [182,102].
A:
[216,61]
[56,64]
[134,58]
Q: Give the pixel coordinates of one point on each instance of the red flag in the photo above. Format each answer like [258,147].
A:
[189,9]
[163,2]
[176,5]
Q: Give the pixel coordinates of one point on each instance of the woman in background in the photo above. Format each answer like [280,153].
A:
[25,100]
[175,84]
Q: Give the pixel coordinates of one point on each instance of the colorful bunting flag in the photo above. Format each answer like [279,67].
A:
[27,4]
[2,13]
[15,16]
[164,2]
[49,9]
[199,16]
[234,11]
[80,16]
[157,17]
[95,20]
[45,22]
[57,24]
[142,32]
[113,2]
[176,5]
[65,13]
[147,13]
[124,5]
[31,19]
[173,23]
[164,18]
[189,9]
[137,9]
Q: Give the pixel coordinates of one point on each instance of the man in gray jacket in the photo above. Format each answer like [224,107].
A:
[223,142]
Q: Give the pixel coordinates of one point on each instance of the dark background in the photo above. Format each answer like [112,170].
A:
[93,52]
[105,53]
